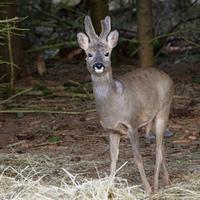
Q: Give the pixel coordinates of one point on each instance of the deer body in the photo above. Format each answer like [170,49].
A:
[139,98]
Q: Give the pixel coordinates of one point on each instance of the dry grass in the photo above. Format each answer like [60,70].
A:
[24,177]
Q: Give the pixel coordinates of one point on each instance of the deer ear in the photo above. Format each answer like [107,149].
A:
[83,40]
[113,38]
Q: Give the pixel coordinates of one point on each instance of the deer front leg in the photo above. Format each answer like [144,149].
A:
[134,137]
[114,139]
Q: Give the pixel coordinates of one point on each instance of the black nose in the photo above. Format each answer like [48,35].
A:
[98,65]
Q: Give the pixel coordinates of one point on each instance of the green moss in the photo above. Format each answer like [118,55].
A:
[53,139]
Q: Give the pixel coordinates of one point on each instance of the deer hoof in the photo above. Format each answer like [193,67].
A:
[148,190]
[165,181]
[154,189]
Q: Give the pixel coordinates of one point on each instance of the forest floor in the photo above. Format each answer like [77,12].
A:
[78,143]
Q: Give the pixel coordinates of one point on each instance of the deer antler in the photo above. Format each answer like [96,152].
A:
[90,30]
[106,27]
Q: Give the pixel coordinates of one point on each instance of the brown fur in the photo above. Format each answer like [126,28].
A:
[139,98]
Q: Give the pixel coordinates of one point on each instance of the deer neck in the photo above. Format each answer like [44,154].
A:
[103,86]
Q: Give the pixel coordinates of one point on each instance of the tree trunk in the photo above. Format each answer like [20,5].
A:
[145,33]
[10,11]
[98,11]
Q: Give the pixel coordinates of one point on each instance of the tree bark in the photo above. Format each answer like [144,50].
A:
[145,33]
[10,11]
[98,11]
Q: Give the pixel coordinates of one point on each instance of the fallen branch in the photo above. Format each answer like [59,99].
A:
[46,143]
[15,144]
[20,93]
[180,97]
[46,111]
[41,111]
[59,94]
[187,144]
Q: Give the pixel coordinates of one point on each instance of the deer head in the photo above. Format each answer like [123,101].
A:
[98,49]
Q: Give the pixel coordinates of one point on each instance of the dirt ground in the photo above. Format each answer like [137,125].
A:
[78,143]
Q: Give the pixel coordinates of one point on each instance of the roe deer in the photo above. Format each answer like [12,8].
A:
[139,98]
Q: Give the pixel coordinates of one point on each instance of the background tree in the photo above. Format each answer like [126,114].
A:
[98,11]
[145,33]
[9,11]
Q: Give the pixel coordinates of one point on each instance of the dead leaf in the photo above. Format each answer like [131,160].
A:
[191,137]
[186,131]
[26,131]
[26,136]
[75,159]
[35,122]
[82,119]
[176,126]
[183,141]
[195,133]
[56,147]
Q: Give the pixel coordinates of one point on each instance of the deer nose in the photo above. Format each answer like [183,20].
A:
[98,65]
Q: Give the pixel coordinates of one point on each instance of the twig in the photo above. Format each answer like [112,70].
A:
[9,20]
[4,84]
[59,94]
[41,111]
[15,144]
[83,88]
[160,36]
[4,76]
[180,97]
[10,55]
[186,144]
[46,111]
[24,91]
[46,143]
[172,32]
[50,88]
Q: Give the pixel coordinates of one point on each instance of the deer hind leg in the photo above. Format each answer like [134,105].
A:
[114,139]
[134,137]
[158,129]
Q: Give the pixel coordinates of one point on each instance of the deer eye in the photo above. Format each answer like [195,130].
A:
[90,55]
[107,54]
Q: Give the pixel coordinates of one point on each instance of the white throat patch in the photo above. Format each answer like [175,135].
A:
[98,70]
[100,91]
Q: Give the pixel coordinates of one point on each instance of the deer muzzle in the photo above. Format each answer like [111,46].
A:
[98,67]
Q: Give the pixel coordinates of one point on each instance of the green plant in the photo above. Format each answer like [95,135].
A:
[186,123]
[10,106]
[194,150]
[196,80]
[79,90]
[53,139]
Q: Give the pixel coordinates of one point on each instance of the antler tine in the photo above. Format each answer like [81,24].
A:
[106,27]
[90,30]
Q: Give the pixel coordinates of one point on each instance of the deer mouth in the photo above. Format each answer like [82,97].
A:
[98,67]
